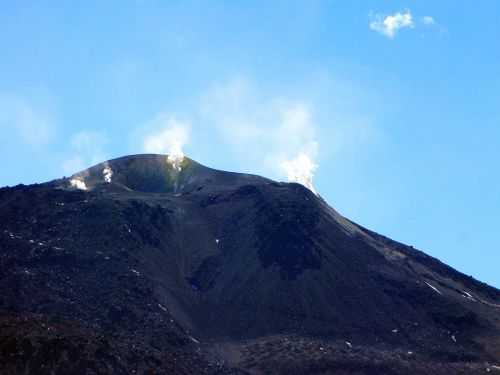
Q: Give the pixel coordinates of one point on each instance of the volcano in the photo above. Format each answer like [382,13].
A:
[144,265]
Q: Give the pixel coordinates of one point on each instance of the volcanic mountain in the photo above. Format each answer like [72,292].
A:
[149,265]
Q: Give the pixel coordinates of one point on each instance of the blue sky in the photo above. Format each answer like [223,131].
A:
[397,103]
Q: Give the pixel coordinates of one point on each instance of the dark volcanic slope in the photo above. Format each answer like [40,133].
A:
[202,271]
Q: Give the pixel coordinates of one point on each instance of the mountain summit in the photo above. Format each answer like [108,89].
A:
[145,264]
[153,173]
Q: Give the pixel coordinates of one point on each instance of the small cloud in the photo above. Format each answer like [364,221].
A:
[389,25]
[428,20]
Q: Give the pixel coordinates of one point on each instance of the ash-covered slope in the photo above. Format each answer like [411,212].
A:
[140,264]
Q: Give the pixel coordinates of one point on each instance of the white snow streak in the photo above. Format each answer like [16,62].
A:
[433,288]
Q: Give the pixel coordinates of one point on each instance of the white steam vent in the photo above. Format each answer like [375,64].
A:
[301,170]
[78,183]
[175,158]
[107,173]
[170,141]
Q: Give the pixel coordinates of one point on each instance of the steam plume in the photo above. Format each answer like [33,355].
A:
[107,173]
[284,129]
[301,170]
[170,140]
[78,183]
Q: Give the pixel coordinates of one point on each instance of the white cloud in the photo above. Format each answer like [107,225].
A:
[389,25]
[86,148]
[33,125]
[273,134]
[428,20]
